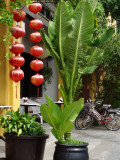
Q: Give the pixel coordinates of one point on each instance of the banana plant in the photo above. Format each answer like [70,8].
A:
[69,34]
[70,43]
[60,120]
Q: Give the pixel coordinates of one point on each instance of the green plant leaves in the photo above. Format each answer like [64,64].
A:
[93,4]
[69,41]
[62,27]
[48,44]
[20,124]
[50,114]
[60,120]
[65,127]
[71,111]
[70,35]
[103,38]
[51,30]
[83,24]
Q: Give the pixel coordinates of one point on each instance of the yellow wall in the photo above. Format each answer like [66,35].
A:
[7,86]
[93,87]
[59,82]
[90,85]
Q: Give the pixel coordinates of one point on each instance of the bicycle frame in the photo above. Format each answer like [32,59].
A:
[104,118]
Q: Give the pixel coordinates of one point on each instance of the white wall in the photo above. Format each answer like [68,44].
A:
[51,89]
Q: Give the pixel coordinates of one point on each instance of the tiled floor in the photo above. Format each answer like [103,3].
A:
[2,148]
[103,144]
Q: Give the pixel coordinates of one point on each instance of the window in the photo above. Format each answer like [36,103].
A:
[27,88]
[47,13]
[43,10]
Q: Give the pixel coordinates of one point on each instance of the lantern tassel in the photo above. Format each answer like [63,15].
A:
[38,92]
[16,91]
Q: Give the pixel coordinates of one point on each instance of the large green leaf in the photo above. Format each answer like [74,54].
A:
[48,117]
[65,127]
[63,26]
[48,44]
[55,109]
[51,30]
[93,4]
[70,8]
[83,27]
[83,24]
[91,58]
[102,39]
[64,96]
[70,112]
[51,49]
[55,133]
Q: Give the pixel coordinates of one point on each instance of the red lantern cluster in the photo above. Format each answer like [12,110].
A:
[17,48]
[36,50]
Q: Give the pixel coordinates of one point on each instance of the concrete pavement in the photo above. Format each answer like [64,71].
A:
[103,144]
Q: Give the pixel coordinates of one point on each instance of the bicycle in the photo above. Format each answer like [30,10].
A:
[109,117]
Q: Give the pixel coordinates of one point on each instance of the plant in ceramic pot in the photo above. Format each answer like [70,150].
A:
[70,43]
[24,137]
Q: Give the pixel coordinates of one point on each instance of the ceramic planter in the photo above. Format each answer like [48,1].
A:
[25,147]
[71,152]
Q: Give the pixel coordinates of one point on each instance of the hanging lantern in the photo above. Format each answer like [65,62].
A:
[35,7]
[35,37]
[19,15]
[36,24]
[36,65]
[37,79]
[17,48]
[17,61]
[36,51]
[16,75]
[17,31]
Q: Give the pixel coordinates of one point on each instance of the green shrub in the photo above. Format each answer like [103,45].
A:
[20,124]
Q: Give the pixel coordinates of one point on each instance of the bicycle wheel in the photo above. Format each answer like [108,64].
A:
[114,124]
[83,121]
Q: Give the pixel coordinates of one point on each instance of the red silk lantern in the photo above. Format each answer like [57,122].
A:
[36,65]
[19,15]
[37,79]
[17,61]
[17,48]
[35,37]
[35,7]
[16,75]
[36,24]
[17,31]
[36,51]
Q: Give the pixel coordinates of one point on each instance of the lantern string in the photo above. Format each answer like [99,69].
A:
[38,92]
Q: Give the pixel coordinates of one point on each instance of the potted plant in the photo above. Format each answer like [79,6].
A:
[70,43]
[24,137]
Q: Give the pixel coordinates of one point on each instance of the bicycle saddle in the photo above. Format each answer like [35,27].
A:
[107,105]
[112,111]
